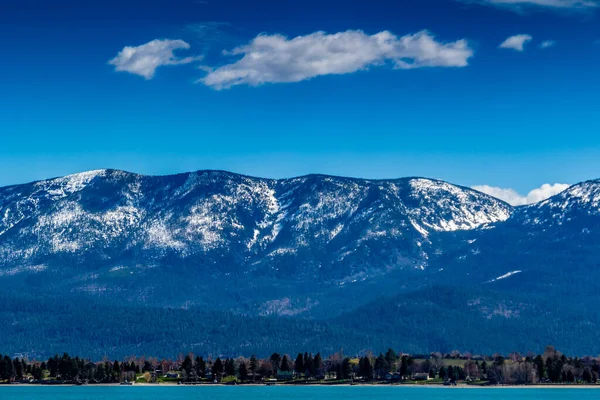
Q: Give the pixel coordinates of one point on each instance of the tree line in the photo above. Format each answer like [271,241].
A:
[551,367]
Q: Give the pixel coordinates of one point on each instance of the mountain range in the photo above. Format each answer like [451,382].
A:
[116,263]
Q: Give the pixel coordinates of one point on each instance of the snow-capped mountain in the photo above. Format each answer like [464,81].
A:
[547,247]
[105,232]
[315,246]
[114,215]
[578,201]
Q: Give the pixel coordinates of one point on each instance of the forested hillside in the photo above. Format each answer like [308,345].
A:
[109,262]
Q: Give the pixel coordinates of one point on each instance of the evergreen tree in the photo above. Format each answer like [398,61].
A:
[3,368]
[108,369]
[442,373]
[116,372]
[346,369]
[253,366]
[299,364]
[390,358]
[405,364]
[540,367]
[309,365]
[37,373]
[365,369]
[64,367]
[230,367]
[243,371]
[554,366]
[317,365]
[275,361]
[147,367]
[285,363]
[53,366]
[217,369]
[100,373]
[188,369]
[19,370]
[200,367]
[381,366]
[451,375]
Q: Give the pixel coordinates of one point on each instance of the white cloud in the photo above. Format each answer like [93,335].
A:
[145,59]
[275,58]
[548,4]
[516,42]
[514,198]
[547,44]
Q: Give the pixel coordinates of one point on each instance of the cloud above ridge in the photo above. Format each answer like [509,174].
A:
[516,42]
[143,60]
[514,198]
[277,59]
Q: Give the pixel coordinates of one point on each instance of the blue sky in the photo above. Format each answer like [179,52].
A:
[474,92]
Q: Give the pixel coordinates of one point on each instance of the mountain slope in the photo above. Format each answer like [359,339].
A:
[354,259]
[549,247]
[474,319]
[110,231]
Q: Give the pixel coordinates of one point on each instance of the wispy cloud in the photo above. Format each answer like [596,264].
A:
[514,198]
[211,37]
[275,58]
[516,42]
[557,5]
[547,44]
[145,59]
[211,31]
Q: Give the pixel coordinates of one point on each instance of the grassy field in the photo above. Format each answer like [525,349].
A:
[449,362]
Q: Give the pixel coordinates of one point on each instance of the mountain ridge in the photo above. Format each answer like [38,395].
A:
[315,246]
[126,172]
[298,177]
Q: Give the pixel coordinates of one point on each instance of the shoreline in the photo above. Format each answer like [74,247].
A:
[320,385]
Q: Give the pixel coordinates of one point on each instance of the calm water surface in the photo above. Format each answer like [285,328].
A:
[287,393]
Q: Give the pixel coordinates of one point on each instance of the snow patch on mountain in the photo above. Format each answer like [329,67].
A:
[507,275]
[161,236]
[447,208]
[19,270]
[342,225]
[585,194]
[62,187]
[583,198]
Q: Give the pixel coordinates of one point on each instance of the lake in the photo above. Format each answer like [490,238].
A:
[287,393]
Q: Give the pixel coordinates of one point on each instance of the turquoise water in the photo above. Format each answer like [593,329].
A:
[287,393]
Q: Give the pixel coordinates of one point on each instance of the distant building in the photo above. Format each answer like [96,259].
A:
[255,377]
[285,375]
[422,376]
[393,376]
